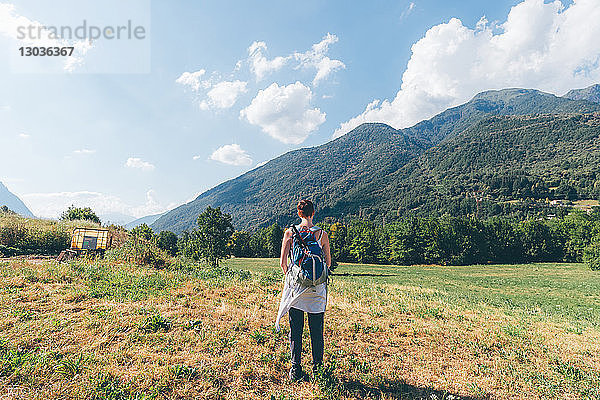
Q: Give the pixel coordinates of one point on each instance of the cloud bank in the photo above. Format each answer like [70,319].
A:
[259,64]
[540,45]
[192,80]
[51,205]
[283,112]
[317,58]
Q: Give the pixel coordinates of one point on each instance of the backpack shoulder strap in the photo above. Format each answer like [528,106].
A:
[316,229]
[298,237]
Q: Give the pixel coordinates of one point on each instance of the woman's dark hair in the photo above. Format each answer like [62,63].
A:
[306,208]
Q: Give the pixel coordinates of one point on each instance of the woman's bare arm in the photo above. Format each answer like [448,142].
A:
[326,249]
[286,243]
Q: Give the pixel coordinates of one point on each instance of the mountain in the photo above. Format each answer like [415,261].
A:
[148,220]
[591,93]
[116,218]
[13,202]
[497,161]
[360,172]
[267,193]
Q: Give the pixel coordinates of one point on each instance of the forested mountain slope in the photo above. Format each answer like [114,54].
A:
[498,160]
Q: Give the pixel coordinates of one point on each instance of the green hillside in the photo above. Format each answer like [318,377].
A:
[499,160]
[360,172]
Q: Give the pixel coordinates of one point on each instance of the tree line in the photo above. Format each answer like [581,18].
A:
[447,240]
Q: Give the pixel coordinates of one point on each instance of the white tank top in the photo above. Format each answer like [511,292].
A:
[314,229]
[307,299]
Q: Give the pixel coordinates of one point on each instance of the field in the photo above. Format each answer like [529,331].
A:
[98,330]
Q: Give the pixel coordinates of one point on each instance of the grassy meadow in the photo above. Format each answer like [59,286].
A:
[106,330]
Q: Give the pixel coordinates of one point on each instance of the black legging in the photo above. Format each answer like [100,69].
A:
[315,325]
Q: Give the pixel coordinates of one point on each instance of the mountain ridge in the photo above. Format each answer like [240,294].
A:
[590,93]
[148,220]
[13,202]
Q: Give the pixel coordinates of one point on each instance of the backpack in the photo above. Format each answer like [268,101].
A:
[308,267]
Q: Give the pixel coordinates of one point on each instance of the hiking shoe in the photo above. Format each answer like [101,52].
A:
[296,374]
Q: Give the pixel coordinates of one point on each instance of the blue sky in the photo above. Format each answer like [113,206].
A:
[139,143]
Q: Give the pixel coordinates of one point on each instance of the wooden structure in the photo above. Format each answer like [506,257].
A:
[86,241]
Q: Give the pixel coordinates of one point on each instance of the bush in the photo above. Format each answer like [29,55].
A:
[167,241]
[141,252]
[143,231]
[21,236]
[591,254]
[79,214]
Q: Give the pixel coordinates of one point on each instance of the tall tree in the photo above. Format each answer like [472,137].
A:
[212,235]
[167,241]
[76,213]
[142,231]
[239,245]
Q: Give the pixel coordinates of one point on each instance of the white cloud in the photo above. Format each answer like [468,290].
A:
[6,179]
[284,113]
[224,94]
[51,205]
[316,58]
[540,45]
[10,21]
[259,64]
[5,108]
[231,154]
[192,79]
[138,163]
[24,135]
[81,47]
[84,151]
[216,93]
[408,10]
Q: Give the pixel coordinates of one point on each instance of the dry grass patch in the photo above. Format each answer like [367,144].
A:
[100,331]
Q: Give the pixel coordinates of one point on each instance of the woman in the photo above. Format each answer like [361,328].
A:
[297,299]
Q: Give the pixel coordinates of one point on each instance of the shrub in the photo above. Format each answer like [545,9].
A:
[79,214]
[143,231]
[20,236]
[591,254]
[167,241]
[141,252]
[155,323]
